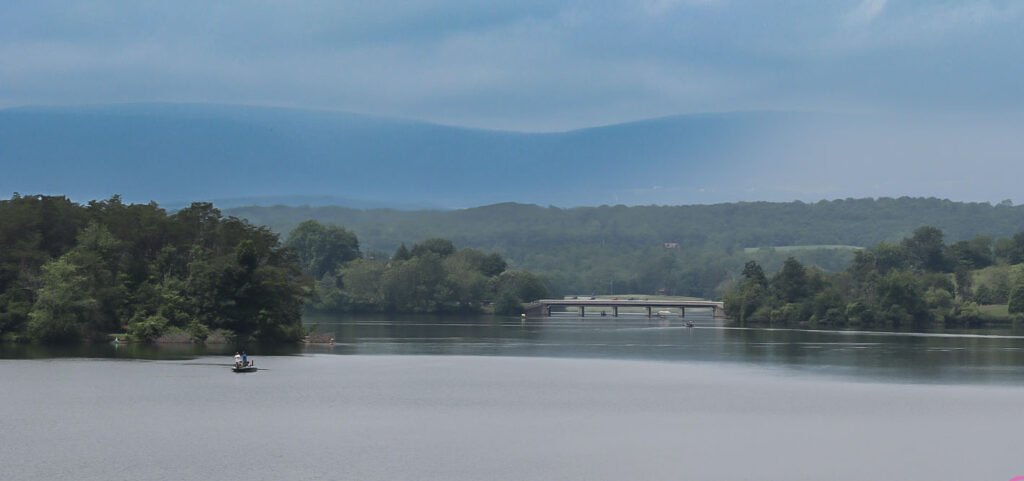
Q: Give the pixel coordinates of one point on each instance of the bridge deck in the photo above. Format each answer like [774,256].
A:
[542,308]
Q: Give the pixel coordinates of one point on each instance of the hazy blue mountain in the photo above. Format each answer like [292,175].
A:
[173,153]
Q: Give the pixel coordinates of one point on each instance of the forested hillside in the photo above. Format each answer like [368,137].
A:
[618,249]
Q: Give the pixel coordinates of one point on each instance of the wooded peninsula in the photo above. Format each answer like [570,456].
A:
[70,272]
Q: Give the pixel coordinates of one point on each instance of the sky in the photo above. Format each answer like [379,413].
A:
[522,65]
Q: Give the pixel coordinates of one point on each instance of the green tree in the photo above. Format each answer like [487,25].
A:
[753,272]
[364,284]
[968,313]
[508,304]
[90,296]
[926,250]
[791,282]
[829,306]
[322,249]
[939,302]
[64,305]
[964,280]
[33,230]
[440,247]
[1016,251]
[1004,250]
[983,294]
[747,300]
[1001,288]
[418,285]
[464,272]
[860,314]
[1016,304]
[889,256]
[492,265]
[975,253]
[513,288]
[901,299]
[402,253]
[524,285]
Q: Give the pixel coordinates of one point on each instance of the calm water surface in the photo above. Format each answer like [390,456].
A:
[497,398]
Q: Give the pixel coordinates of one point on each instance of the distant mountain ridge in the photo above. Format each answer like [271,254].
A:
[174,152]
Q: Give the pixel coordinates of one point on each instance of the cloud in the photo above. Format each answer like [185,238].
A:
[661,7]
[528,64]
[928,24]
[867,11]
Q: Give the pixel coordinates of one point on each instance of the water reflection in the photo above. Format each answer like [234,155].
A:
[126,350]
[993,356]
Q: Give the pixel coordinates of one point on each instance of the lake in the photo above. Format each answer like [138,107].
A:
[470,398]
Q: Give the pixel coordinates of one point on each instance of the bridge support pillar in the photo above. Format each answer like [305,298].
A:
[582,313]
[615,311]
[547,311]
[682,312]
[648,311]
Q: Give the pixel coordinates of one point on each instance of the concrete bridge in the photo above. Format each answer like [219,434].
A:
[542,308]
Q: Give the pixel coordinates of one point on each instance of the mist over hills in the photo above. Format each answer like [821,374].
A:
[178,153]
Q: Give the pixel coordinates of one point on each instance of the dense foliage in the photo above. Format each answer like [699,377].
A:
[69,271]
[432,277]
[678,250]
[912,284]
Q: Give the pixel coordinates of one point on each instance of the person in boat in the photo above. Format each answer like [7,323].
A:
[238,360]
[245,359]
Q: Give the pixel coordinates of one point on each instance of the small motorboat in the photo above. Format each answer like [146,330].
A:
[247,367]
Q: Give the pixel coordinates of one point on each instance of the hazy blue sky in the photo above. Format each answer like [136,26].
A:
[523,65]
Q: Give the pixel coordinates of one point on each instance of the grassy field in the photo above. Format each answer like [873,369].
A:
[992,274]
[998,311]
[649,297]
[752,250]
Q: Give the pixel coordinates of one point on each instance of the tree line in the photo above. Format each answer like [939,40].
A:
[431,277]
[620,249]
[70,272]
[910,284]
